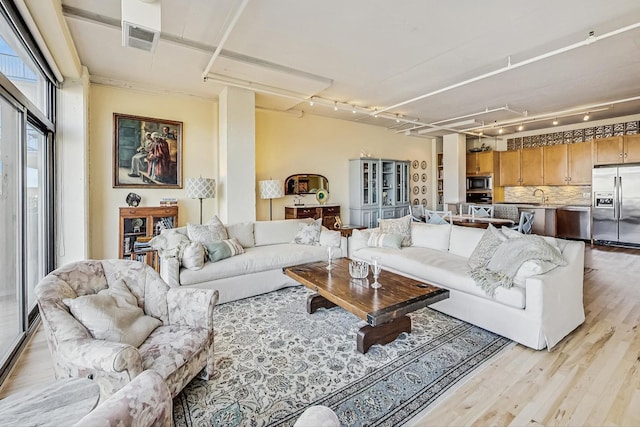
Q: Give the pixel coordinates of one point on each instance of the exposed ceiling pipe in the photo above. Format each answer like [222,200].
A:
[485,111]
[224,38]
[589,40]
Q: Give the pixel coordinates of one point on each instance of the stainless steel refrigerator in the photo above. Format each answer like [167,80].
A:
[616,205]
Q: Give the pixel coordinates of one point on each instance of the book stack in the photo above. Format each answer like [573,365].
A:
[139,246]
[168,201]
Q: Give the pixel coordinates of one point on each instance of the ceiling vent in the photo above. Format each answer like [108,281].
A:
[140,24]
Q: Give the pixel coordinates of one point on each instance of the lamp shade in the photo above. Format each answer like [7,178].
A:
[201,188]
[271,189]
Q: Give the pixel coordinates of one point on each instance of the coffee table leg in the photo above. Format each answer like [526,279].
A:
[316,301]
[383,334]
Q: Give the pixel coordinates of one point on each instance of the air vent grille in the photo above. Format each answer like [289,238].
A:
[139,37]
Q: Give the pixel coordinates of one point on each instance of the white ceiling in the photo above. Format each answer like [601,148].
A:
[378,53]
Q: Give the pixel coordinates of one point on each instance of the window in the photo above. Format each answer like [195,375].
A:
[27,130]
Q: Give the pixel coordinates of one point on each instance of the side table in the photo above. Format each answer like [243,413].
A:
[346,230]
[61,403]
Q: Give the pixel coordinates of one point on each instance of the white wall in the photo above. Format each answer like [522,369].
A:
[287,145]
[200,145]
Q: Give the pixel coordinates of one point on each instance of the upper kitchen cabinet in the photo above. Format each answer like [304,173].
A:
[483,163]
[616,149]
[567,164]
[521,167]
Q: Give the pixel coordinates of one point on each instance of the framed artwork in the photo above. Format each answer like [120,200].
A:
[147,152]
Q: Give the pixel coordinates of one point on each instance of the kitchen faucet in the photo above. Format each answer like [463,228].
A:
[542,191]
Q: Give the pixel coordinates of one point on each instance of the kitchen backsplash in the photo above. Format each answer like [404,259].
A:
[569,194]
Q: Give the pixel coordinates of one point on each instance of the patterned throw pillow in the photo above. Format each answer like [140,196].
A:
[225,249]
[192,256]
[486,247]
[213,231]
[400,226]
[168,243]
[384,240]
[309,234]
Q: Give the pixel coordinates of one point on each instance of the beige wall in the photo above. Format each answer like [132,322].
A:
[199,118]
[287,145]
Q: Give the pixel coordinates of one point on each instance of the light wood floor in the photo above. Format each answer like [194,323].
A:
[591,378]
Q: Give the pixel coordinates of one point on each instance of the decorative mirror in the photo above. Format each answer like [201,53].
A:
[305,184]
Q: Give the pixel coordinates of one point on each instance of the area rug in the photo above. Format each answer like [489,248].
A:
[274,360]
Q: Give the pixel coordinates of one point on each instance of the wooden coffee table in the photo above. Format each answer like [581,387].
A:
[384,309]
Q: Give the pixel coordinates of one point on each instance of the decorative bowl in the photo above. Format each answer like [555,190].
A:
[358,269]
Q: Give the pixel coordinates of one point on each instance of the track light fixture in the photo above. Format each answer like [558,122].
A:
[520,127]
[501,130]
[353,109]
[586,117]
[555,122]
[311,102]
[335,105]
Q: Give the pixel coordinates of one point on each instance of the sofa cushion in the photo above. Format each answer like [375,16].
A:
[169,242]
[113,315]
[243,232]
[464,240]
[208,233]
[430,236]
[276,232]
[257,259]
[377,239]
[222,250]
[441,269]
[192,255]
[309,234]
[330,238]
[400,226]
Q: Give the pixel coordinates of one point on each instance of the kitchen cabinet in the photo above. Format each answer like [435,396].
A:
[521,167]
[616,150]
[138,226]
[483,163]
[567,164]
[328,213]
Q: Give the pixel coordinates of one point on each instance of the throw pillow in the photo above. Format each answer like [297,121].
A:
[225,249]
[384,240]
[330,238]
[243,232]
[208,233]
[168,243]
[400,226]
[193,256]
[309,234]
[113,315]
[486,247]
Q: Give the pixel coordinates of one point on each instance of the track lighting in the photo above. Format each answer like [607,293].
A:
[335,105]
[555,122]
[397,118]
[375,113]
[353,109]
[311,102]
[520,127]
[586,117]
[501,130]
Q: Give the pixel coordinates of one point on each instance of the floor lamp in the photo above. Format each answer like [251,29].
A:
[271,189]
[201,188]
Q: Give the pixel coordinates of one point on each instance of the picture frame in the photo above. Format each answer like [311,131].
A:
[147,152]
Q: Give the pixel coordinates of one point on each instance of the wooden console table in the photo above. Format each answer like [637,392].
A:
[328,213]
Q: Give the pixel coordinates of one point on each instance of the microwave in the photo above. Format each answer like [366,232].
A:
[479,183]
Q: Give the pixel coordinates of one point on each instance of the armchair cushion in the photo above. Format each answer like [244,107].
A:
[309,234]
[113,315]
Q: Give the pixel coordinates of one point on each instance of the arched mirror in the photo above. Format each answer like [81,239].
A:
[305,184]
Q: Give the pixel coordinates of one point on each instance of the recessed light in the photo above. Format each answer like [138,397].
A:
[555,122]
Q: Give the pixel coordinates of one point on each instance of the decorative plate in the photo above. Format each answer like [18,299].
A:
[416,190]
[424,189]
[416,201]
[322,195]
[424,202]
[424,177]
[416,177]
[415,164]
[423,165]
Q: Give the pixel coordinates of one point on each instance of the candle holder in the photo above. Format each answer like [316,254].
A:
[376,268]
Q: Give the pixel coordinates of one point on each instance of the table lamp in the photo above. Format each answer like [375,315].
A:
[271,189]
[201,188]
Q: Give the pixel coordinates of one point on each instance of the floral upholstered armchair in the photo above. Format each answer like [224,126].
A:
[179,346]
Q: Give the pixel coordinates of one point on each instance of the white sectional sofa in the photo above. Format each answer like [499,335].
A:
[537,313]
[259,269]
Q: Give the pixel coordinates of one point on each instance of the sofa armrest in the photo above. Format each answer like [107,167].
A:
[145,401]
[556,297]
[170,271]
[101,355]
[192,306]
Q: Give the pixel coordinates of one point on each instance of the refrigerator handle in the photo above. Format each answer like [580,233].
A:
[619,197]
[615,198]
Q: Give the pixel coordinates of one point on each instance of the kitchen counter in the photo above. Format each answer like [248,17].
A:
[559,220]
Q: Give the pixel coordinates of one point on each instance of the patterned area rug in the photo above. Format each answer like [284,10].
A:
[274,360]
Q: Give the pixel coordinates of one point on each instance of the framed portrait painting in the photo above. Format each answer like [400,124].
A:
[147,152]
